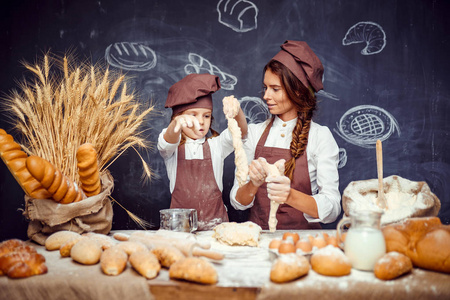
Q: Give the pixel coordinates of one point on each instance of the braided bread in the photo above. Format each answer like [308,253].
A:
[88,170]
[19,260]
[61,188]
[15,158]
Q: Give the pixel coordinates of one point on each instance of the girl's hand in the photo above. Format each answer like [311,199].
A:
[183,121]
[231,106]
[278,188]
[256,172]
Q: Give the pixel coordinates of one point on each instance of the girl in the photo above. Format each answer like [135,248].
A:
[308,191]
[194,162]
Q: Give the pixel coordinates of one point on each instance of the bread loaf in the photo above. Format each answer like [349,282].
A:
[14,158]
[194,269]
[57,239]
[65,248]
[104,240]
[86,252]
[113,261]
[288,267]
[145,263]
[167,255]
[392,265]
[424,240]
[61,188]
[131,247]
[330,261]
[88,170]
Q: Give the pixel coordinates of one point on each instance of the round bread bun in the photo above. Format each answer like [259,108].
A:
[330,261]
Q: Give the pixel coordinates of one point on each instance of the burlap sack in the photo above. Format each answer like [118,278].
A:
[93,214]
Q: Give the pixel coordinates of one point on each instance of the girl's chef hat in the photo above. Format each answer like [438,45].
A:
[303,62]
[193,91]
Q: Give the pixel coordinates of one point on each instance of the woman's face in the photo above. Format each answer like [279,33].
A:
[203,116]
[277,99]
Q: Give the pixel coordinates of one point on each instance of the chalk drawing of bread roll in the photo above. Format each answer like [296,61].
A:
[365,124]
[239,15]
[366,32]
[130,56]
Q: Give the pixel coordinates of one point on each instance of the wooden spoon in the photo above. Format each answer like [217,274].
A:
[381,200]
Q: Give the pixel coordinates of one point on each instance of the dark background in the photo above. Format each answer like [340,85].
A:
[406,83]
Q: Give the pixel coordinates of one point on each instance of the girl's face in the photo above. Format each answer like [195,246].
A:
[277,99]
[203,116]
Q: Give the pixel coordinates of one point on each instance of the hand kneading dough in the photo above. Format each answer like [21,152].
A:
[238,234]
[288,267]
[194,269]
[392,265]
[113,261]
[86,252]
[57,239]
[145,263]
[330,261]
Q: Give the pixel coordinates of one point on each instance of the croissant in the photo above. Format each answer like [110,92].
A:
[18,260]
[88,170]
[61,188]
[14,158]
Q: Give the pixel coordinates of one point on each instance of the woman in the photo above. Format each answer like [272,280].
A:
[309,189]
[193,152]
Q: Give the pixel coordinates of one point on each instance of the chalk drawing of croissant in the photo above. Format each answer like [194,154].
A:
[239,15]
[198,65]
[366,32]
[255,109]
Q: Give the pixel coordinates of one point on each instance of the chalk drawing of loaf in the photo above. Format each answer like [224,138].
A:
[239,15]
[365,124]
[366,32]
[199,65]
[131,56]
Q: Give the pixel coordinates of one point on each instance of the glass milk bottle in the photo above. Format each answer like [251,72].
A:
[364,242]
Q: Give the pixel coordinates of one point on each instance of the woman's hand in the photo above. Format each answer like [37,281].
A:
[278,188]
[183,121]
[256,172]
[231,106]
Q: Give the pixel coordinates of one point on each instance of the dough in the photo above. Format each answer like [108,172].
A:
[238,234]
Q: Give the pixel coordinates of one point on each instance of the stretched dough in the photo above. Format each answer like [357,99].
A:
[272,171]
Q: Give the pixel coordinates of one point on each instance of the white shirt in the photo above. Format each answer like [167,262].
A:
[220,146]
[323,157]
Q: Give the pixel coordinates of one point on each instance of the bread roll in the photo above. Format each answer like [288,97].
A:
[104,240]
[15,159]
[392,265]
[22,264]
[14,245]
[61,188]
[57,239]
[113,261]
[88,170]
[289,267]
[86,252]
[330,261]
[145,263]
[424,240]
[193,269]
[167,255]
[130,247]
[65,248]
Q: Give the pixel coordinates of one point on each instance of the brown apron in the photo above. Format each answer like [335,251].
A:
[196,187]
[287,216]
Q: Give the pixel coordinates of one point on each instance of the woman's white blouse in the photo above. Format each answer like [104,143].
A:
[323,158]
[220,146]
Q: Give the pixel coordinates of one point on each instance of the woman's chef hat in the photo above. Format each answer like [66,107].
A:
[193,91]
[303,62]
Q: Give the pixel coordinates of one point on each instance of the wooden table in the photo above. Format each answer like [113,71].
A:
[243,274]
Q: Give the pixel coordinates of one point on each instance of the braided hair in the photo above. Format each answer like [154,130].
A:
[304,100]
[212,133]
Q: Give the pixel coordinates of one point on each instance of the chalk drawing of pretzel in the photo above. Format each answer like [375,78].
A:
[199,65]
[239,15]
[370,33]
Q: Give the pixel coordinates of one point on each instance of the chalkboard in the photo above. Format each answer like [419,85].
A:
[386,77]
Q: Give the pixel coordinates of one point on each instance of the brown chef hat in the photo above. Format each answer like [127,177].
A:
[193,91]
[303,62]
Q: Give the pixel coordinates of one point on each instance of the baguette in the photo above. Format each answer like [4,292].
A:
[88,170]
[61,188]
[15,159]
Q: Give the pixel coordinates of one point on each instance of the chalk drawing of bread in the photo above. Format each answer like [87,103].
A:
[365,124]
[199,64]
[366,32]
[131,56]
[239,15]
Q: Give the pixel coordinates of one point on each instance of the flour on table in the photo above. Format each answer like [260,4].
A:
[239,234]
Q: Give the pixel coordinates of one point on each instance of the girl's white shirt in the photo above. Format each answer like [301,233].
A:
[323,158]
[220,146]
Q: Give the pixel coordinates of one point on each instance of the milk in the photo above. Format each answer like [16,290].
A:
[364,246]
